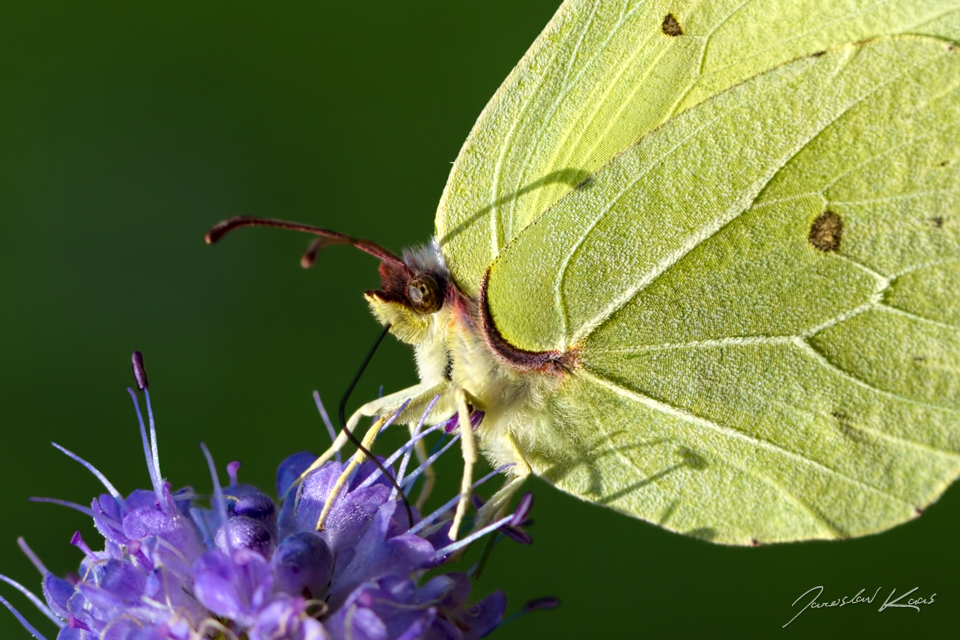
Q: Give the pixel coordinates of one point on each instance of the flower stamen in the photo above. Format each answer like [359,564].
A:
[153,462]
[409,480]
[232,469]
[410,446]
[220,503]
[420,526]
[65,503]
[26,625]
[34,558]
[92,469]
[37,602]
[326,422]
[439,554]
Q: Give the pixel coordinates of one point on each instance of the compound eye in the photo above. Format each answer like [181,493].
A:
[424,294]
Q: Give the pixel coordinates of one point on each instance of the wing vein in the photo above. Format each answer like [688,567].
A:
[778,488]
[882,435]
[498,168]
[714,227]
[732,433]
[894,198]
[917,317]
[730,341]
[821,26]
[567,87]
[819,357]
[703,59]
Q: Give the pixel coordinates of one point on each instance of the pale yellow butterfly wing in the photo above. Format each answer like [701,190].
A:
[763,293]
[603,74]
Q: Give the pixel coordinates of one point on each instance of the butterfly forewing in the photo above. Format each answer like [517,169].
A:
[603,74]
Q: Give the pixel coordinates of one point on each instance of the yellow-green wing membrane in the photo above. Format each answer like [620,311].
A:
[764,296]
[605,73]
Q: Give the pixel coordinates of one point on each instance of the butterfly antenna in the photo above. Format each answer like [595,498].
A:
[326,238]
[355,440]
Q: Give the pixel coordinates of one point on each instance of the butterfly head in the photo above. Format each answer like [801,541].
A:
[412,291]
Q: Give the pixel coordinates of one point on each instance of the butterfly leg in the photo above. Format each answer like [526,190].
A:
[468,442]
[419,397]
[501,499]
[358,457]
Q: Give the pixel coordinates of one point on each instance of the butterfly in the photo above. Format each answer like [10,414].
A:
[699,262]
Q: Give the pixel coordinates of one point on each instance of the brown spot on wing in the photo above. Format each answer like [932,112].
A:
[826,232]
[671,26]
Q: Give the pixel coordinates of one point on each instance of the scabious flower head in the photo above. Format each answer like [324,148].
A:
[175,566]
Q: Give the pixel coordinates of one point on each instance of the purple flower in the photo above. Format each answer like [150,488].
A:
[395,607]
[176,566]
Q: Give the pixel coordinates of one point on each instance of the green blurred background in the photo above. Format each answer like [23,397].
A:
[126,130]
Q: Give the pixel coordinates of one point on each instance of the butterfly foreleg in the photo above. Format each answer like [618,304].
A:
[417,397]
[357,458]
[415,394]
[468,443]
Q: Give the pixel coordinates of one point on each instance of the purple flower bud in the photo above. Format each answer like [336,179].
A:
[256,506]
[242,532]
[303,564]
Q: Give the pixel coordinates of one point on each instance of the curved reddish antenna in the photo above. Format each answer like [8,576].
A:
[326,238]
